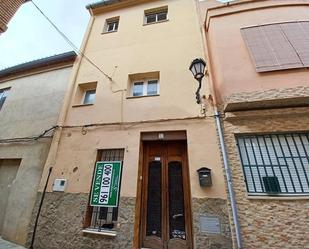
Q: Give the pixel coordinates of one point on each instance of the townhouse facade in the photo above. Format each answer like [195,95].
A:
[30,98]
[257,54]
[131,120]
[7,10]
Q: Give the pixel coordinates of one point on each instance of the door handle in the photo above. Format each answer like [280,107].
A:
[175,216]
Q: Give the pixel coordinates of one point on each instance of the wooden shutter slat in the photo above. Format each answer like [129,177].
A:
[297,38]
[284,51]
[271,48]
[260,50]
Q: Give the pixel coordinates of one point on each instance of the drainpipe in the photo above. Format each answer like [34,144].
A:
[228,179]
[212,79]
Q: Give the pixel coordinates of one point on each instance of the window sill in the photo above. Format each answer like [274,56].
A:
[144,96]
[82,105]
[108,233]
[279,197]
[108,32]
[146,24]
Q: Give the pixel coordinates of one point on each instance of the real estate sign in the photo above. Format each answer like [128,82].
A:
[106,184]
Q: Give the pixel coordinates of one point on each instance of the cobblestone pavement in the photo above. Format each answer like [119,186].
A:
[8,245]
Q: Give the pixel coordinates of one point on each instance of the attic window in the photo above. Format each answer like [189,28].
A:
[156,15]
[111,25]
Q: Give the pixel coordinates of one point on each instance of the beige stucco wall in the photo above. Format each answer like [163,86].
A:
[167,47]
[77,150]
[232,68]
[31,107]
[33,103]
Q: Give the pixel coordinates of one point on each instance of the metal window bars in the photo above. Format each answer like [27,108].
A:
[103,217]
[275,163]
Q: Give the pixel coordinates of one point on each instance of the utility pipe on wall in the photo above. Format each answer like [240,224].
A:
[228,180]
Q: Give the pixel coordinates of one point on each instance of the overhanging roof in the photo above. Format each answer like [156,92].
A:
[102,3]
[68,57]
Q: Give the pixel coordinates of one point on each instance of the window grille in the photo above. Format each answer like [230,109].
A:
[276,163]
[278,46]
[102,217]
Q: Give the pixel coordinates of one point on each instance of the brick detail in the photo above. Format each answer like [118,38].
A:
[301,91]
[7,10]
[268,222]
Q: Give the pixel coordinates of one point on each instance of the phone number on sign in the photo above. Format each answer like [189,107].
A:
[106,183]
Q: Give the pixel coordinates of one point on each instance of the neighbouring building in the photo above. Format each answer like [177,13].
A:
[258,55]
[31,95]
[7,10]
[131,103]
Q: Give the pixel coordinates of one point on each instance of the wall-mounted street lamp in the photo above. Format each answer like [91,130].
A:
[197,68]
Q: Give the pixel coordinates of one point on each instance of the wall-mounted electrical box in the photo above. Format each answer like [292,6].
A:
[59,185]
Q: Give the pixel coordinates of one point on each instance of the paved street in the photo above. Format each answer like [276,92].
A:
[8,245]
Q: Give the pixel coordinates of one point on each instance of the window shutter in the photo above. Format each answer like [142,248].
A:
[271,48]
[298,35]
[260,49]
[284,51]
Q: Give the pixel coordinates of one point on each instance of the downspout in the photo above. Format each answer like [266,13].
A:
[217,116]
[227,171]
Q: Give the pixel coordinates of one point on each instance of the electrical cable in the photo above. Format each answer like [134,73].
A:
[29,139]
[70,42]
[129,124]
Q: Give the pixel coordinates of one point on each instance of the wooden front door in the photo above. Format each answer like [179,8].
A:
[166,214]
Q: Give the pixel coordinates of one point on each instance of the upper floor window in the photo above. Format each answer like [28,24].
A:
[111,25]
[276,163]
[89,97]
[156,15]
[3,94]
[85,94]
[145,88]
[278,46]
[144,84]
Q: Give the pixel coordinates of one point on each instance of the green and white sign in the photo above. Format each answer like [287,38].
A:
[105,187]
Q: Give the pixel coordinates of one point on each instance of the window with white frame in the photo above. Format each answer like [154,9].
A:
[112,24]
[3,95]
[276,163]
[89,96]
[145,88]
[156,15]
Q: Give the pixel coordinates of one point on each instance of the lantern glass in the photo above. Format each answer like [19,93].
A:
[197,68]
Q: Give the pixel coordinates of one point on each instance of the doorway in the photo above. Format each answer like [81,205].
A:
[166,210]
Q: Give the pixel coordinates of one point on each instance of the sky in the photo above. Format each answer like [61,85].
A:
[29,35]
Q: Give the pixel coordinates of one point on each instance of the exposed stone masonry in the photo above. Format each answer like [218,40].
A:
[268,222]
[61,224]
[211,207]
[295,92]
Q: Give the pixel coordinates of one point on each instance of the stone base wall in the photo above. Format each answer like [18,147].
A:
[62,218]
[216,208]
[61,224]
[267,222]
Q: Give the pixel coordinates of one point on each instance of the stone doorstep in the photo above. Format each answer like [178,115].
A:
[4,244]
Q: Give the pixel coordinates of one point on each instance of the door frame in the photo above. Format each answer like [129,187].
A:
[155,136]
